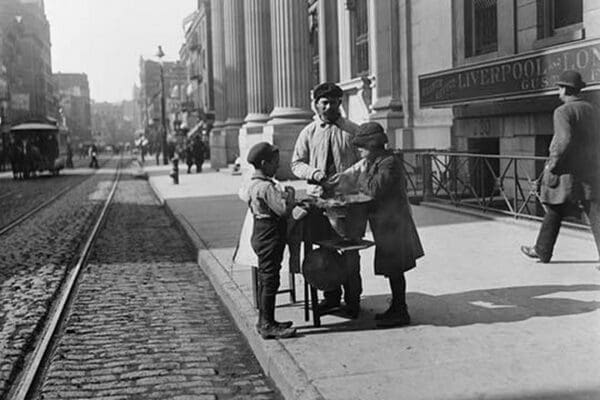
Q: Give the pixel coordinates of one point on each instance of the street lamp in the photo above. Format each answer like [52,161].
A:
[160,54]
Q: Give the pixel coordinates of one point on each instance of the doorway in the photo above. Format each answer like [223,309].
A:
[482,178]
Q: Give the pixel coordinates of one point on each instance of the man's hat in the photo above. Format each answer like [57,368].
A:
[262,151]
[328,90]
[571,79]
[370,134]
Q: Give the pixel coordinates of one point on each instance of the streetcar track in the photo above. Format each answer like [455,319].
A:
[34,362]
[7,194]
[28,214]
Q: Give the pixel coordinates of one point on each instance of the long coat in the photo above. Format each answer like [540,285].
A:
[572,172]
[397,243]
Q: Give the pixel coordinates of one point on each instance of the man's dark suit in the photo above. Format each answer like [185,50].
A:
[571,178]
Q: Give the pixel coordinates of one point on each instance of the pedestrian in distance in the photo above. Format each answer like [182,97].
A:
[324,148]
[198,149]
[189,155]
[571,178]
[69,163]
[93,153]
[379,174]
[270,206]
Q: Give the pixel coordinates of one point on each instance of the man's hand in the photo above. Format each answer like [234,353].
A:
[318,176]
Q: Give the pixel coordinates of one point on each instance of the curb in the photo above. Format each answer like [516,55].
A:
[276,361]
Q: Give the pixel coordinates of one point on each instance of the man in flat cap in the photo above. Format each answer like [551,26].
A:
[324,148]
[571,179]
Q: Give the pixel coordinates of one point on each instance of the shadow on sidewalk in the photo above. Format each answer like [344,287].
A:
[487,306]
[573,394]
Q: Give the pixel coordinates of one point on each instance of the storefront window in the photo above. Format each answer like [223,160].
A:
[556,14]
[481,27]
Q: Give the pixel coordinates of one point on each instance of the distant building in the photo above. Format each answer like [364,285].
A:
[196,55]
[111,123]
[175,81]
[73,93]
[26,87]
[30,71]
[132,110]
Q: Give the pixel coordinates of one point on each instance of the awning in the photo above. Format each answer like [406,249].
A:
[34,126]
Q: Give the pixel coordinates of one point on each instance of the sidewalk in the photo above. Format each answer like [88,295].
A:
[487,322]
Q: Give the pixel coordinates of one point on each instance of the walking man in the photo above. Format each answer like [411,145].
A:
[93,152]
[323,149]
[571,179]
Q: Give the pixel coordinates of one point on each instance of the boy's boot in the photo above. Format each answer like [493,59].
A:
[261,317]
[269,328]
[397,313]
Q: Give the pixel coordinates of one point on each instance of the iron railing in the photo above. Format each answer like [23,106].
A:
[503,184]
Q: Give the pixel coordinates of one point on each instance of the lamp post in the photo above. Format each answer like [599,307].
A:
[160,54]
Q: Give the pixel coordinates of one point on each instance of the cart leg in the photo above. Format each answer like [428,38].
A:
[315,307]
[292,282]
[255,285]
[306,300]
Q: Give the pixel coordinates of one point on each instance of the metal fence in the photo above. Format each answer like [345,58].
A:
[490,183]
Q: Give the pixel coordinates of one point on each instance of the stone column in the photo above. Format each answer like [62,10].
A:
[329,64]
[235,74]
[259,74]
[218,154]
[291,78]
[386,64]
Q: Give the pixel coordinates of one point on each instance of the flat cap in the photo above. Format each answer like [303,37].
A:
[328,90]
[262,151]
[571,79]
[370,134]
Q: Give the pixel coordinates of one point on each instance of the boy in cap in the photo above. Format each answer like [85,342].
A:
[324,148]
[379,174]
[269,206]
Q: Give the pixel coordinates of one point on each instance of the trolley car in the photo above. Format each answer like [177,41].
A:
[37,147]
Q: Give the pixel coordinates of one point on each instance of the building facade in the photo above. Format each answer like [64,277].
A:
[112,123]
[150,96]
[372,49]
[26,85]
[501,87]
[31,90]
[470,75]
[507,57]
[196,55]
[73,93]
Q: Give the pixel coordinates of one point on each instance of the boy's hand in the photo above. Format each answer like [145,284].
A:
[345,185]
[290,190]
[290,194]
[333,180]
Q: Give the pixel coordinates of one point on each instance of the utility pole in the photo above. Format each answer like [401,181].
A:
[163,118]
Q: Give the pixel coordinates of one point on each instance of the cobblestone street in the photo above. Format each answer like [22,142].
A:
[145,322]
[35,257]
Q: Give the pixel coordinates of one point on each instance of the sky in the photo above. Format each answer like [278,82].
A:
[105,39]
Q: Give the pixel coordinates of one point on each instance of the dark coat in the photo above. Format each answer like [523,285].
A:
[572,172]
[397,243]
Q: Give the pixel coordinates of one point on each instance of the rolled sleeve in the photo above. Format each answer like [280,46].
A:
[300,163]
[275,200]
